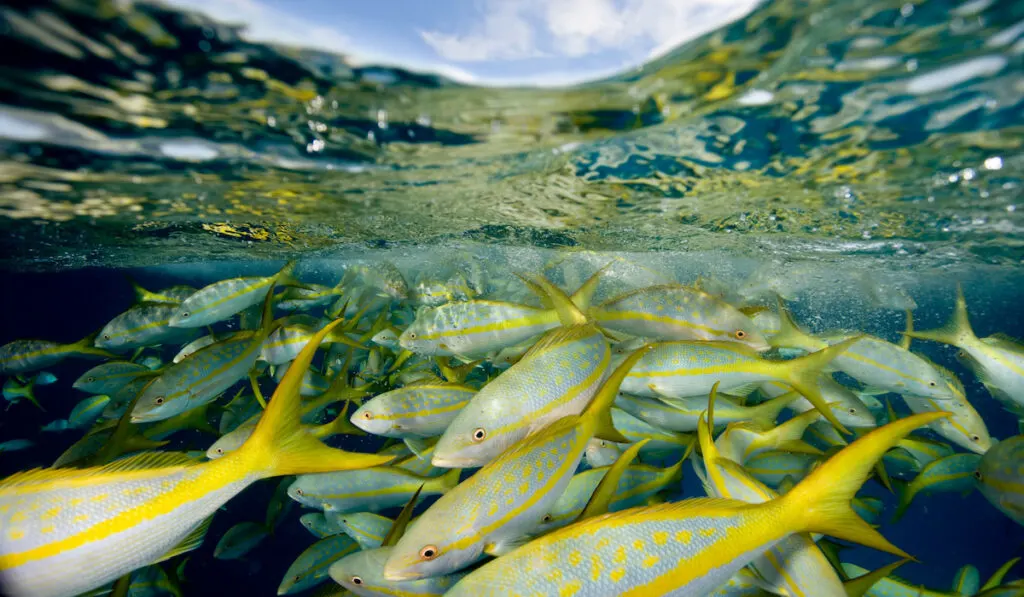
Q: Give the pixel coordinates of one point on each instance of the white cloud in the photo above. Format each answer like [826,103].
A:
[575,28]
[504,33]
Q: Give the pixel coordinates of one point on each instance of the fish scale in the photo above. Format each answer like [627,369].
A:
[199,378]
[418,410]
[677,313]
[220,300]
[143,325]
[474,328]
[638,483]
[373,489]
[551,382]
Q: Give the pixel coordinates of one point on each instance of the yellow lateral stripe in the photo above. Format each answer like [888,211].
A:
[392,490]
[565,398]
[535,497]
[254,346]
[213,475]
[139,328]
[505,324]
[399,416]
[244,290]
[603,315]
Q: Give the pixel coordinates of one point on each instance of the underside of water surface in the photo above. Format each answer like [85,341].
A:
[886,134]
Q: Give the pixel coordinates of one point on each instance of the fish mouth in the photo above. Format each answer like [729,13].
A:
[399,575]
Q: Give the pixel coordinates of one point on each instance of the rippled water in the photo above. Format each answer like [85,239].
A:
[133,133]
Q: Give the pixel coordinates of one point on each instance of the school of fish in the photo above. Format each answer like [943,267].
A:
[517,438]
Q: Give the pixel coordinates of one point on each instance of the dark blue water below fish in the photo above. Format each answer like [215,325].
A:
[944,532]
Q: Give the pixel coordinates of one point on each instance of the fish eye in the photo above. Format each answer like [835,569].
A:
[975,438]
[429,552]
[547,518]
[158,400]
[932,384]
[106,336]
[368,415]
[961,354]
[412,335]
[853,411]
[220,450]
[739,334]
[977,475]
[90,379]
[297,578]
[185,314]
[356,580]
[603,444]
[298,492]
[479,434]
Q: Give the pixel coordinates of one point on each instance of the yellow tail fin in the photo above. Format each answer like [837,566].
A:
[802,375]
[858,587]
[599,411]
[585,293]
[821,502]
[768,411]
[281,445]
[957,330]
[568,313]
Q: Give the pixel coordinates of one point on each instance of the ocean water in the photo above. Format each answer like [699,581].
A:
[856,158]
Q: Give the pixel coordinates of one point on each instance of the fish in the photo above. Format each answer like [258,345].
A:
[967,581]
[370,489]
[239,540]
[558,377]
[202,376]
[26,356]
[15,445]
[312,566]
[872,361]
[224,298]
[997,360]
[421,409]
[843,402]
[601,453]
[1000,477]
[694,546]
[893,586]
[362,573]
[136,511]
[741,441]
[795,565]
[506,499]
[674,312]
[772,467]
[387,338]
[291,334]
[684,414]
[308,297]
[687,368]
[14,390]
[110,377]
[197,344]
[954,473]
[639,483]
[55,426]
[964,428]
[319,525]
[659,440]
[383,277]
[146,324]
[366,528]
[478,328]
[172,295]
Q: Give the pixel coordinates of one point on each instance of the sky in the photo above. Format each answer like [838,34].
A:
[485,42]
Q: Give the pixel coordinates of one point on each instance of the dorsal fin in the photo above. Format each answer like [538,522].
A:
[137,462]
[857,587]
[568,313]
[398,528]
[905,341]
[585,293]
[602,497]
[997,577]
[557,336]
